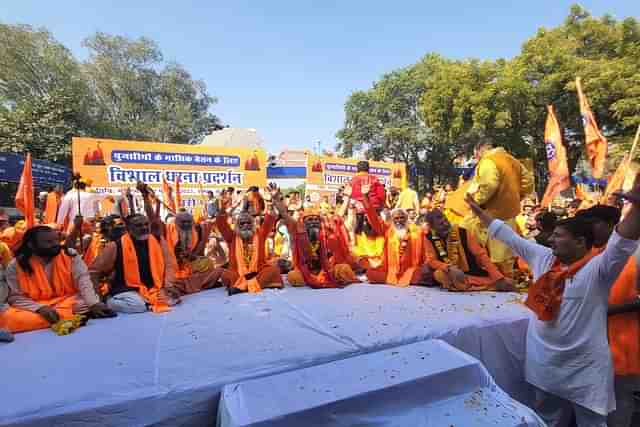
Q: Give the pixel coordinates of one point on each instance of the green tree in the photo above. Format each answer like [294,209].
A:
[43,97]
[140,97]
[460,102]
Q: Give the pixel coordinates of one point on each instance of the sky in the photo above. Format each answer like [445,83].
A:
[286,68]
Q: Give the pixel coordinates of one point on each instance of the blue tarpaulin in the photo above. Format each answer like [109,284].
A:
[44,172]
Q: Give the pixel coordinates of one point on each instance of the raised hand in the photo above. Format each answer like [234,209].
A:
[632,195]
[273,191]
[142,188]
[347,190]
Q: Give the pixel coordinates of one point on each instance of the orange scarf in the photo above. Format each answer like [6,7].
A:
[93,250]
[400,269]
[37,286]
[545,295]
[251,285]
[624,329]
[51,208]
[172,240]
[132,273]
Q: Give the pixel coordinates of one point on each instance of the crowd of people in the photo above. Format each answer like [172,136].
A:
[93,257]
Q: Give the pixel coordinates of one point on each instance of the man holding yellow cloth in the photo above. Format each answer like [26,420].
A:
[499,184]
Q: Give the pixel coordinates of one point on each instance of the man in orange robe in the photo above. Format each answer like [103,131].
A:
[248,270]
[458,261]
[186,243]
[138,267]
[403,262]
[321,256]
[52,204]
[47,285]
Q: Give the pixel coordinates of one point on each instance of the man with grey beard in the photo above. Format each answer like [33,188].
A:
[192,271]
[404,261]
[249,270]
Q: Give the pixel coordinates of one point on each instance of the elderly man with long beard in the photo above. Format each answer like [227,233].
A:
[186,241]
[321,256]
[404,260]
[249,270]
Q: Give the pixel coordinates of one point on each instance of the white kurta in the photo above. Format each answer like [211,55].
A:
[89,205]
[569,356]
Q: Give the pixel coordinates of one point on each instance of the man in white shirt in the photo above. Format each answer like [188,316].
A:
[567,358]
[89,204]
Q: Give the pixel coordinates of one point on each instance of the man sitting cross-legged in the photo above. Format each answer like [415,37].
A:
[321,256]
[137,265]
[404,260]
[186,243]
[458,262]
[248,268]
[46,284]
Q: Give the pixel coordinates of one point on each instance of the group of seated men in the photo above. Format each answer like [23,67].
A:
[140,263]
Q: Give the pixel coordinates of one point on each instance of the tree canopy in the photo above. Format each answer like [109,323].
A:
[124,89]
[436,110]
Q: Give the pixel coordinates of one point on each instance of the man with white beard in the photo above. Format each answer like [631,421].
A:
[249,270]
[404,261]
[186,241]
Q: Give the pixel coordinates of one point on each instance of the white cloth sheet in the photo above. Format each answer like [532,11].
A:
[424,384]
[169,369]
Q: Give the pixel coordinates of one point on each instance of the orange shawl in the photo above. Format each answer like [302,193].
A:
[132,273]
[93,250]
[181,271]
[37,286]
[400,269]
[51,207]
[251,285]
[624,329]
[545,295]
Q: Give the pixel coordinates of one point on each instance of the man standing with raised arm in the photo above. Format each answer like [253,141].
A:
[568,359]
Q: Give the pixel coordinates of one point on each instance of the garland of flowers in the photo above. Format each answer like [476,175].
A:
[449,255]
[315,247]
[247,254]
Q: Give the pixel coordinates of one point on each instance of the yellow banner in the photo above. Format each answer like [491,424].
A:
[114,164]
[326,174]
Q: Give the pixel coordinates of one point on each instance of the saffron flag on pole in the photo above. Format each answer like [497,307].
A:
[24,196]
[595,142]
[617,180]
[177,194]
[557,158]
[167,195]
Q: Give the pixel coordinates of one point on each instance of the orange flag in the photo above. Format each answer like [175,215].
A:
[616,181]
[178,196]
[24,196]
[167,193]
[594,140]
[557,158]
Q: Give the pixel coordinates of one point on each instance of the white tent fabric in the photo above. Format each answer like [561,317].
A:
[169,369]
[425,384]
